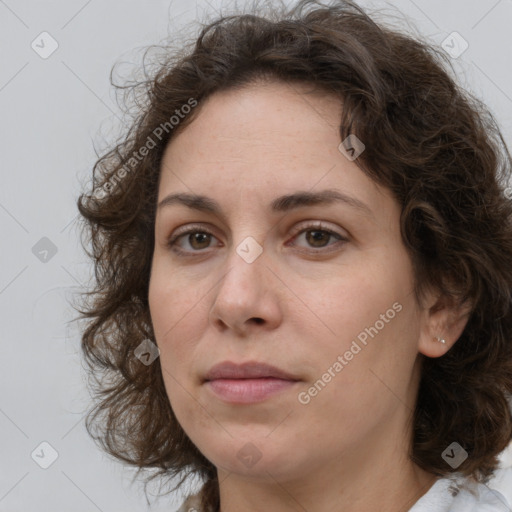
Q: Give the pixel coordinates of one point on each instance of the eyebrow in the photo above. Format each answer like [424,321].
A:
[280,204]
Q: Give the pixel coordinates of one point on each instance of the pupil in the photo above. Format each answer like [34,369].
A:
[318,235]
[197,237]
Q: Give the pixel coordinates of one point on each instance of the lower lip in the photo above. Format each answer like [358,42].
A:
[246,391]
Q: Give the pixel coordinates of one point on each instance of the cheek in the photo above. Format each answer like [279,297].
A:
[178,319]
[177,334]
[367,314]
[353,300]
[172,299]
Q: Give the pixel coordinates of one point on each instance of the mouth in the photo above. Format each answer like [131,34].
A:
[249,382]
[246,391]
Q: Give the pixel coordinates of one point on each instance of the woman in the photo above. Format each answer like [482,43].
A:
[303,256]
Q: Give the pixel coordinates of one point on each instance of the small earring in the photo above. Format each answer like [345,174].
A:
[440,339]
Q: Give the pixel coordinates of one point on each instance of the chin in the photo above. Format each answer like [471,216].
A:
[257,457]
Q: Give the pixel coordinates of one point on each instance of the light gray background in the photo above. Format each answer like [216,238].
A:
[51,112]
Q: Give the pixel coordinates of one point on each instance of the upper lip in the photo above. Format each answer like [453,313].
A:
[248,370]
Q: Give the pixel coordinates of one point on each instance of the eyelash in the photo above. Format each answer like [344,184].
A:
[199,229]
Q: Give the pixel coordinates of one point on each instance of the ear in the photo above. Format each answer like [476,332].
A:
[441,318]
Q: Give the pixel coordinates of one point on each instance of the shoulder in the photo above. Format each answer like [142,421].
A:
[461,494]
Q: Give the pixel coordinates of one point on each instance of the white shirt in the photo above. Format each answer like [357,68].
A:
[451,494]
[459,494]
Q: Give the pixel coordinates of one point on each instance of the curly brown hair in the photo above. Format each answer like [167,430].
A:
[436,147]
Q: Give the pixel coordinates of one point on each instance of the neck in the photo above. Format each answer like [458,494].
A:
[388,491]
[375,475]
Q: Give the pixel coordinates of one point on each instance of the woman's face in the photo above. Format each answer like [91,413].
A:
[262,281]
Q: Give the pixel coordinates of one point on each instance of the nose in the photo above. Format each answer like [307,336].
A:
[247,296]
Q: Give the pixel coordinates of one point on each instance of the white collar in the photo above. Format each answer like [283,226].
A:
[460,494]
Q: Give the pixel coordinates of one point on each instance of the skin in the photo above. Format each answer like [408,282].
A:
[298,306]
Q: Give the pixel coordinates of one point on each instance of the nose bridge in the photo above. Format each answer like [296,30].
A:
[246,266]
[248,237]
[245,291]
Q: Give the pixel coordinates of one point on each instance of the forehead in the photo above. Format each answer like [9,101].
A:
[261,142]
[285,120]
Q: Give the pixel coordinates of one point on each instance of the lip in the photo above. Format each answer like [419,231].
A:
[248,382]
[248,391]
[247,370]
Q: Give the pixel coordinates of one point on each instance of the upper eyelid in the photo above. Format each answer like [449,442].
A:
[318,224]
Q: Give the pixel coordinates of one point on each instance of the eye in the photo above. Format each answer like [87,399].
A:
[317,236]
[199,238]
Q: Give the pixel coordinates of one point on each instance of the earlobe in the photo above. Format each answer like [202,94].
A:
[435,346]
